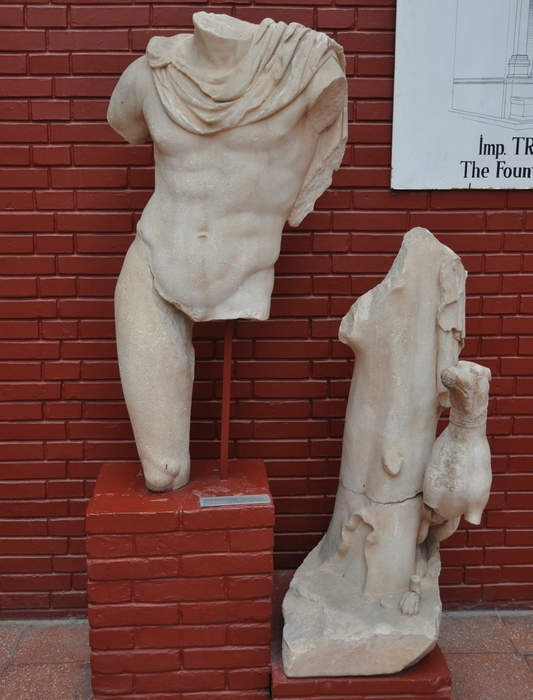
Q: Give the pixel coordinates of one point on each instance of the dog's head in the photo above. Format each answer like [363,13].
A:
[468,384]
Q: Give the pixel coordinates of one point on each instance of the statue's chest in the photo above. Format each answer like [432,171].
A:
[278,135]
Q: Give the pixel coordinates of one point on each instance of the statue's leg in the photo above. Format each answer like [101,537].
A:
[156,359]
[344,543]
[390,548]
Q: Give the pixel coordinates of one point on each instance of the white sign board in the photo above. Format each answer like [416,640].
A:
[463,95]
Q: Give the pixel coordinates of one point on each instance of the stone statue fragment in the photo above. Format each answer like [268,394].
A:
[458,478]
[366,599]
[248,122]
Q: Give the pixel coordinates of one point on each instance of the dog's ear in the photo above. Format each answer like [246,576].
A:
[487,372]
[481,371]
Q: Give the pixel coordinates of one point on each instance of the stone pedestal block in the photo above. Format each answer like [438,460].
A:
[429,679]
[179,595]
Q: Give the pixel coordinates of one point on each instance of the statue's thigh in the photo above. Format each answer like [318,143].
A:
[156,360]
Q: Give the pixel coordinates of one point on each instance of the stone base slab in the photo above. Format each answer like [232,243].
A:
[332,629]
[430,679]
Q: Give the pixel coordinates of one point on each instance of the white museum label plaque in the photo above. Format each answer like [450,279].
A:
[463,95]
[252,500]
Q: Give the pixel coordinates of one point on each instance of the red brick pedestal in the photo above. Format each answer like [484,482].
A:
[180,596]
[430,679]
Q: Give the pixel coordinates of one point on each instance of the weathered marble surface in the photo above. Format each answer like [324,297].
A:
[248,122]
[458,478]
[366,600]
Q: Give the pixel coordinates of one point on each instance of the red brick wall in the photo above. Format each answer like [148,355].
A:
[72,193]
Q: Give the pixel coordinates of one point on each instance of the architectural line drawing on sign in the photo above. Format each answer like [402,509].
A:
[493,62]
[463,95]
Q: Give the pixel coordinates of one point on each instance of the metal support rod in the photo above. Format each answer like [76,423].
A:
[226,392]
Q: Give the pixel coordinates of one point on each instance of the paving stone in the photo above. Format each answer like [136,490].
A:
[520,630]
[476,634]
[9,636]
[55,643]
[50,681]
[490,677]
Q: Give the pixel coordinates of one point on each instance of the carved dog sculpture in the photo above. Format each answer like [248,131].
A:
[458,478]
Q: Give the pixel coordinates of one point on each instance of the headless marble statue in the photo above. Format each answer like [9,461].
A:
[366,599]
[248,123]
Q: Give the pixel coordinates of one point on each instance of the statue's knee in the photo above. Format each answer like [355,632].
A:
[165,475]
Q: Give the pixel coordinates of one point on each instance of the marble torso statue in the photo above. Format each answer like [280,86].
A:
[235,146]
[248,123]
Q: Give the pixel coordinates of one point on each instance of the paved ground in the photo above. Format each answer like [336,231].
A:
[45,660]
[490,656]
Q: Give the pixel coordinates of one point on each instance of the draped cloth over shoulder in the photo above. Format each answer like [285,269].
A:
[280,64]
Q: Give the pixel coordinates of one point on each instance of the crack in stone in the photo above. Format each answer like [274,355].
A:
[381,503]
